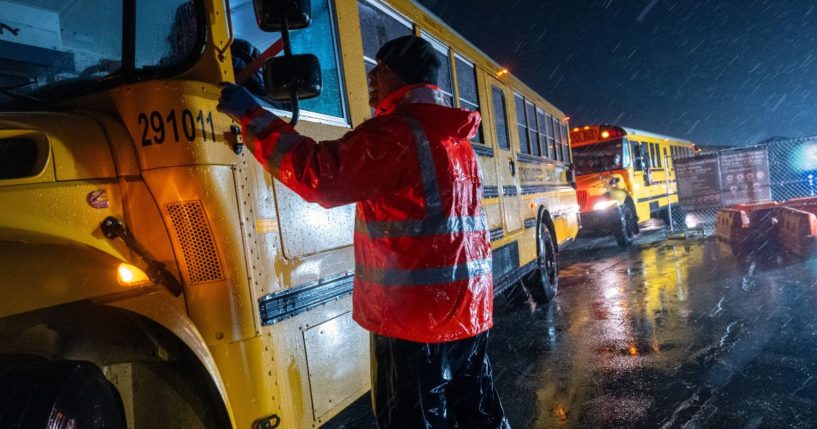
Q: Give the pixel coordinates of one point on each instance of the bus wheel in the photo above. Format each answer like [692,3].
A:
[544,281]
[58,394]
[626,228]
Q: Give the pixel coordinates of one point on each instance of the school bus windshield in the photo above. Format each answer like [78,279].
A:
[598,157]
[78,44]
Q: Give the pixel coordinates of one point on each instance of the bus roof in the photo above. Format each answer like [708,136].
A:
[589,134]
[485,58]
[632,131]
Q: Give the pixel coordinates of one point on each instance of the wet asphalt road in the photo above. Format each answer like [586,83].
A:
[666,334]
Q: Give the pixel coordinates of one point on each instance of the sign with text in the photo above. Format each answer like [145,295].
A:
[699,182]
[745,176]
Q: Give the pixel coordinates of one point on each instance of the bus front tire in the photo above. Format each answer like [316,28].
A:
[627,226]
[543,283]
[58,394]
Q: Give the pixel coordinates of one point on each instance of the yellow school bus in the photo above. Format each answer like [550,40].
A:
[624,176]
[154,275]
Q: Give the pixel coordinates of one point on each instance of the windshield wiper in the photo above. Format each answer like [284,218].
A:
[12,93]
[18,85]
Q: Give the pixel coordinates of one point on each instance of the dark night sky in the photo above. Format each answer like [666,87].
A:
[716,72]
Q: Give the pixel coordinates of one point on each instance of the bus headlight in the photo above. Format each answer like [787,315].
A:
[130,276]
[605,204]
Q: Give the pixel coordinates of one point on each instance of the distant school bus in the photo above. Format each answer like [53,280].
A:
[154,273]
[624,177]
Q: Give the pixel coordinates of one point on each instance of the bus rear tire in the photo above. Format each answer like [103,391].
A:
[627,226]
[58,394]
[543,282]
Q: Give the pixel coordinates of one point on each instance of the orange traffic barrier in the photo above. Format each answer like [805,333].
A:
[797,230]
[747,227]
[732,225]
[808,204]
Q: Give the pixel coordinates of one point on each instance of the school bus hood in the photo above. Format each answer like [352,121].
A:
[594,182]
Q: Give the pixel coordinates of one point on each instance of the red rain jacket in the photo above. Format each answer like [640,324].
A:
[422,246]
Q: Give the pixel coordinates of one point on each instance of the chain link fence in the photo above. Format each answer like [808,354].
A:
[792,174]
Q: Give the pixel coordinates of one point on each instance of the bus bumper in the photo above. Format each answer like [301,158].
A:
[598,223]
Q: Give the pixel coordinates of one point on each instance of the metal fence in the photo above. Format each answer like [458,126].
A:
[792,174]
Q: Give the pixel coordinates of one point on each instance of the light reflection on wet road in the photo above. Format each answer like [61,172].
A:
[667,334]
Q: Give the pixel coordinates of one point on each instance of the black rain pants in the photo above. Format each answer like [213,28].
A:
[434,385]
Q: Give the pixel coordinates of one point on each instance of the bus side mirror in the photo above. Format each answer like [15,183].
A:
[570,174]
[270,14]
[298,74]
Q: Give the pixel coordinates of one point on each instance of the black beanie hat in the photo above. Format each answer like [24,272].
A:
[411,58]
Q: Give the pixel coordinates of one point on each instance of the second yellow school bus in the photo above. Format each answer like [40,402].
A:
[625,176]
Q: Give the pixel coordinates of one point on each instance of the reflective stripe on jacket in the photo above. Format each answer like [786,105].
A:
[422,247]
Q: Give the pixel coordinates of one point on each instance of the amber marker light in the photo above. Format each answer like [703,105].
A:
[130,276]
[502,72]
[605,134]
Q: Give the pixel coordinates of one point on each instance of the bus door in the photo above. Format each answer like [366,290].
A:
[642,179]
[642,168]
[507,168]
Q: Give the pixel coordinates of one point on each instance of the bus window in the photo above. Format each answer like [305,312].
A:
[639,161]
[444,80]
[500,118]
[521,125]
[565,141]
[666,160]
[652,155]
[540,122]
[164,38]
[530,113]
[550,141]
[378,25]
[467,87]
[319,39]
[557,142]
[626,157]
[607,155]
[658,161]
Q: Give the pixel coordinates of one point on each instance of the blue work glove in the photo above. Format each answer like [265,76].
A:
[236,101]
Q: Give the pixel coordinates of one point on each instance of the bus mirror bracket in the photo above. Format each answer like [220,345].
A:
[570,175]
[270,14]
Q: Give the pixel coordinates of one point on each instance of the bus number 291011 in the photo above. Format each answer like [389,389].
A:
[158,128]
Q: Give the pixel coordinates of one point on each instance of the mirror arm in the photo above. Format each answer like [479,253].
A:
[293,90]
[296,108]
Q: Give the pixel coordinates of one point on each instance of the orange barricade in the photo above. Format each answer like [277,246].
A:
[747,227]
[732,225]
[797,230]
[808,204]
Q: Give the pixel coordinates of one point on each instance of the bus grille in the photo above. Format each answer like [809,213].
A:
[582,198]
[196,239]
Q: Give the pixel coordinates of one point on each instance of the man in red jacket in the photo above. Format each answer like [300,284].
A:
[423,283]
